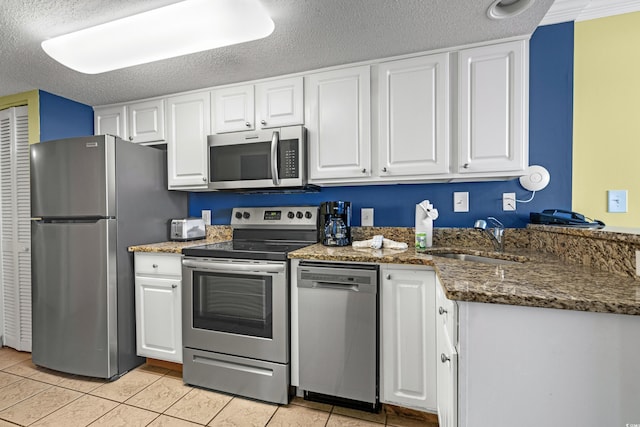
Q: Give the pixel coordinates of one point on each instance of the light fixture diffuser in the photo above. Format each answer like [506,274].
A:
[178,29]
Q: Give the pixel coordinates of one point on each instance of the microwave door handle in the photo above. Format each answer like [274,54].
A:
[275,139]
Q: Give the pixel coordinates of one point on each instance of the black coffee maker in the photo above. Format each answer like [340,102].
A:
[335,223]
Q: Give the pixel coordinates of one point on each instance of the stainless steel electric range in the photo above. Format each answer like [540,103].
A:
[235,303]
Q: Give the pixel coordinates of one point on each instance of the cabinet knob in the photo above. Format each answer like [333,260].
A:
[441,310]
[204,178]
[444,358]
[388,277]
[247,124]
[130,138]
[263,122]
[466,166]
[364,170]
[384,169]
[155,265]
[174,286]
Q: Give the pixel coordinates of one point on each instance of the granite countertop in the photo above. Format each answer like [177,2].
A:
[215,234]
[542,280]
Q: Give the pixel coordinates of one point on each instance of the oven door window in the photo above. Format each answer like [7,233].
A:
[234,303]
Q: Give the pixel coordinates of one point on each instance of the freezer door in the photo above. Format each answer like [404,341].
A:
[74,297]
[73,178]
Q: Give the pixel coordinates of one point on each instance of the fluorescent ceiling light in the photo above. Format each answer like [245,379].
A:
[178,29]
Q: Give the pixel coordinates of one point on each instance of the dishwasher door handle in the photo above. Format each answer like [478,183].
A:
[340,286]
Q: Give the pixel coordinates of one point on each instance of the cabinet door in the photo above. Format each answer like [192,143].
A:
[447,373]
[492,112]
[414,116]
[234,109]
[338,124]
[187,154]
[158,318]
[408,338]
[146,121]
[110,120]
[280,103]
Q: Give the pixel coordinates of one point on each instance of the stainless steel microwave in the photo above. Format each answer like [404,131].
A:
[264,159]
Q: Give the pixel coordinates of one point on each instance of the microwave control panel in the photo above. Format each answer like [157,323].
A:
[288,159]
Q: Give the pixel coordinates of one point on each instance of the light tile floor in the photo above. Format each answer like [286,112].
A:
[151,396]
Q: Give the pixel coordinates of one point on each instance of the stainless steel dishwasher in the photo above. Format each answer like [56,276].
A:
[338,333]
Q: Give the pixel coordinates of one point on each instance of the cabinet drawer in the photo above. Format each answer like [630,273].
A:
[447,314]
[160,264]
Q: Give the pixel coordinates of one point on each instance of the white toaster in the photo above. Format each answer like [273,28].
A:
[187,229]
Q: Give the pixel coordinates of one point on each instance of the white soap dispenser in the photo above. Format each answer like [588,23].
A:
[425,214]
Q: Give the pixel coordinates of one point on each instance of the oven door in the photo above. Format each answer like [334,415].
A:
[236,307]
[263,159]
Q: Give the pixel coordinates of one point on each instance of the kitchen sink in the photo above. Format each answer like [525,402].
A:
[475,258]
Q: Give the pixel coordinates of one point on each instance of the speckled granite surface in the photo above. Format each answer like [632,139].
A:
[542,280]
[215,233]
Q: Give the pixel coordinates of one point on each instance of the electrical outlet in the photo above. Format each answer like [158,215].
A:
[617,201]
[461,201]
[206,216]
[366,217]
[508,201]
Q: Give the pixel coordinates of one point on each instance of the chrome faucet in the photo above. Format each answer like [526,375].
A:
[496,233]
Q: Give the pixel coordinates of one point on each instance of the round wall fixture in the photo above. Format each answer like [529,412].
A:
[535,178]
[501,9]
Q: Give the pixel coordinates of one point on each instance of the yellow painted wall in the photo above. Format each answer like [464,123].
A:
[32,100]
[606,127]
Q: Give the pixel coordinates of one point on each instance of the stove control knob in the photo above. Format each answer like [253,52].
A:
[246,215]
[298,214]
[238,215]
[308,215]
[290,215]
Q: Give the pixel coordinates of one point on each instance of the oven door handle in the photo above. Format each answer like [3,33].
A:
[233,267]
[275,140]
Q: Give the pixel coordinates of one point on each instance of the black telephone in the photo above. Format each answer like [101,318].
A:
[564,218]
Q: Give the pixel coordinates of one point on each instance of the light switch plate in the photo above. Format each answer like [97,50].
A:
[461,201]
[637,263]
[366,217]
[508,201]
[206,216]
[617,201]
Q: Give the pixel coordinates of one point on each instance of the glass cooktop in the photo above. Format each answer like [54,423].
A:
[243,249]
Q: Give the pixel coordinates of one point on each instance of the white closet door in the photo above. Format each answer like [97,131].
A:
[15,228]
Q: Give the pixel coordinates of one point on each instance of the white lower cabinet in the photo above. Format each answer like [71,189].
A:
[158,279]
[408,338]
[447,359]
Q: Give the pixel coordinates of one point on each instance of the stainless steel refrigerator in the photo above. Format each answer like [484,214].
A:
[91,198]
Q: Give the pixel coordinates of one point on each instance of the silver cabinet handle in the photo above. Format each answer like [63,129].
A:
[466,166]
[204,178]
[388,277]
[444,358]
[263,122]
[364,170]
[384,169]
[174,286]
[130,138]
[247,124]
[441,310]
[155,265]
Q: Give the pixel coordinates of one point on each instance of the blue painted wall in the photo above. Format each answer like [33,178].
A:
[550,145]
[63,118]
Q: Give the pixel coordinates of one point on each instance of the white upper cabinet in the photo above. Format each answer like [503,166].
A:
[140,122]
[414,117]
[277,103]
[492,108]
[338,121]
[234,109]
[280,103]
[146,121]
[188,118]
[110,120]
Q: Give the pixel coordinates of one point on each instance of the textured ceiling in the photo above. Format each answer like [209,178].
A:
[309,34]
